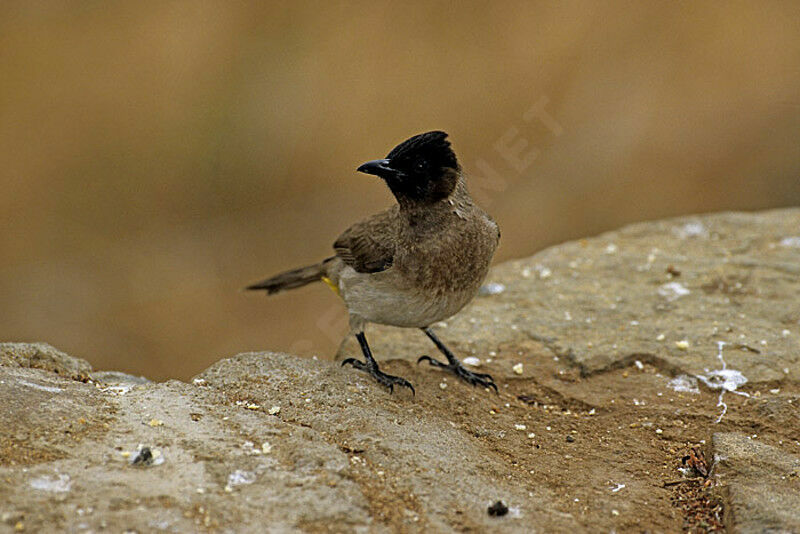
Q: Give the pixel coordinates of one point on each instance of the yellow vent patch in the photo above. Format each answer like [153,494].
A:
[331,285]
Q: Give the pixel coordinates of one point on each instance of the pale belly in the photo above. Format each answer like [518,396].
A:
[382,298]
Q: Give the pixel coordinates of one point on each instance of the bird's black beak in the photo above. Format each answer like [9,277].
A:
[378,167]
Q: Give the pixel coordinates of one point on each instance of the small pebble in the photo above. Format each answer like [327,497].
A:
[570,438]
[519,427]
[143,457]
[682,344]
[156,422]
[517,369]
[498,509]
[442,385]
[275,410]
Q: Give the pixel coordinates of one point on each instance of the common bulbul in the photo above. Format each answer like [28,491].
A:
[414,264]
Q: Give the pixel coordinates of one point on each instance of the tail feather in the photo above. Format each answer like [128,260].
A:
[291,279]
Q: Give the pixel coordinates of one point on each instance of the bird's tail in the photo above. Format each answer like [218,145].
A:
[292,279]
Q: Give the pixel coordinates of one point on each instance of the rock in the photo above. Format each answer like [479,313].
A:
[203,440]
[604,302]
[762,484]
[41,356]
[269,441]
[351,459]
[116,377]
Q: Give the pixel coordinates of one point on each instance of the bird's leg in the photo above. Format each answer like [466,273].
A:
[371,367]
[455,366]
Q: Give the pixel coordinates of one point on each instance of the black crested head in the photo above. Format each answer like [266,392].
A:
[420,169]
[431,146]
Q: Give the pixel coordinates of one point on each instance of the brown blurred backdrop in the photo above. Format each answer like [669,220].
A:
[156,157]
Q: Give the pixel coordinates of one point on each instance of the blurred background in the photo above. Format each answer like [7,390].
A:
[156,157]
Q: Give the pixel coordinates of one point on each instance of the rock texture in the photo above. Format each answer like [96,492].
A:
[665,292]
[617,357]
[763,484]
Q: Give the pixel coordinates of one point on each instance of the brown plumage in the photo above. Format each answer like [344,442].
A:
[414,264]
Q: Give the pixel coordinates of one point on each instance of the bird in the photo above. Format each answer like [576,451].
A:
[414,264]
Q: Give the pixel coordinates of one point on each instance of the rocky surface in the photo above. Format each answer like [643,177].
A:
[665,292]
[763,484]
[618,357]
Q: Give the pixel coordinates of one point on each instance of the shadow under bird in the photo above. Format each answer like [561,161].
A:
[414,264]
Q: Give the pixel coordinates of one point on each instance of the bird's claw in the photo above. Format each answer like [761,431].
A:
[434,363]
[357,364]
[382,378]
[475,379]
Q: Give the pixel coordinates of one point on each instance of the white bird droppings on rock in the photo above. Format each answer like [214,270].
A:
[239,478]
[118,389]
[684,384]
[690,229]
[791,242]
[673,291]
[492,288]
[49,389]
[59,484]
[544,272]
[724,379]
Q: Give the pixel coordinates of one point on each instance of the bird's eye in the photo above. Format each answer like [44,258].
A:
[421,164]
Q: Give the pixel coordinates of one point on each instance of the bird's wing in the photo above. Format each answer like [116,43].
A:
[368,246]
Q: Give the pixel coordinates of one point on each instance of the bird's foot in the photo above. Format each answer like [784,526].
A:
[476,379]
[382,378]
